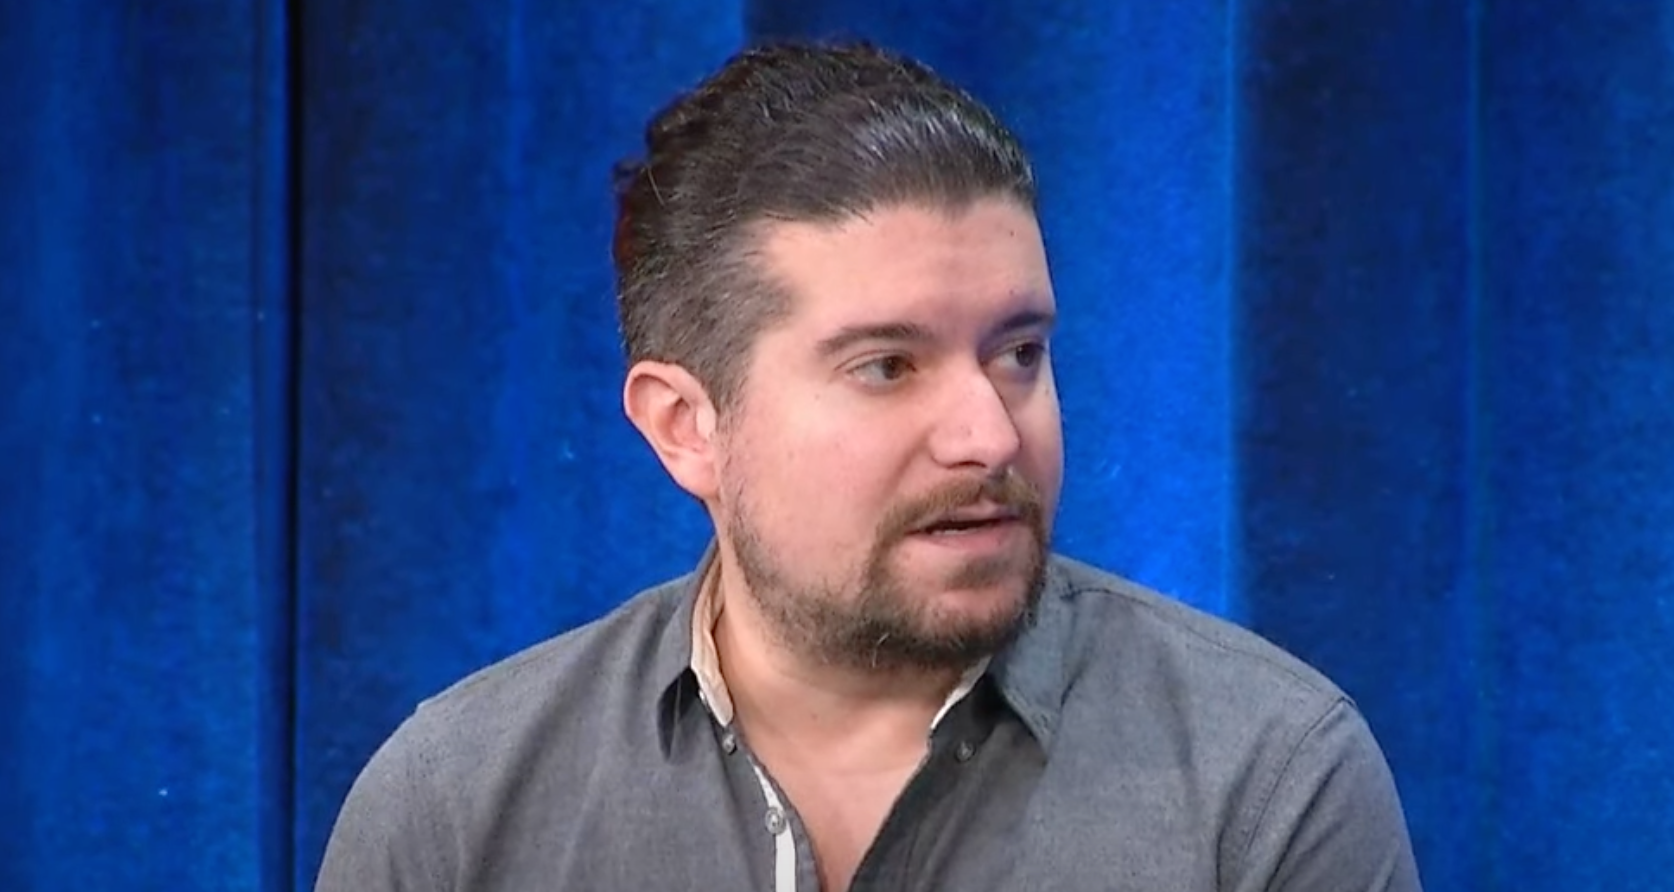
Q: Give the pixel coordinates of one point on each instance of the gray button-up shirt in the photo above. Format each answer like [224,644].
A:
[1124,742]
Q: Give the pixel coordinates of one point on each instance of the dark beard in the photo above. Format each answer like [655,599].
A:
[882,627]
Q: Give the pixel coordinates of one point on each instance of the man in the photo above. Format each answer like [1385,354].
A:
[837,310]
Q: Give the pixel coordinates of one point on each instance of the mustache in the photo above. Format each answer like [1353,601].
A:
[1009,491]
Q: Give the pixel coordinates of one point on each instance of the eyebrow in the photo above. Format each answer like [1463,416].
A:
[914,333]
[1023,319]
[850,335]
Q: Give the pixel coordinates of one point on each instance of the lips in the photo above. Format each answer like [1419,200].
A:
[967,519]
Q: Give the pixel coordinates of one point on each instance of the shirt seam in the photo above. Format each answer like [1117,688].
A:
[1333,708]
[538,656]
[1157,611]
[430,855]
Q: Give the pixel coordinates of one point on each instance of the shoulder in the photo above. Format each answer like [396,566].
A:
[462,763]
[1282,747]
[599,669]
[1142,673]
[1127,626]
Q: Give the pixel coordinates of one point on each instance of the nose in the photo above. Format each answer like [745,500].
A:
[975,428]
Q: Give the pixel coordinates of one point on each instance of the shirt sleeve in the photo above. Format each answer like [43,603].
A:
[1333,821]
[388,835]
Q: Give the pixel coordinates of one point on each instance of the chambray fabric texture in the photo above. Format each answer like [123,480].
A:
[1123,742]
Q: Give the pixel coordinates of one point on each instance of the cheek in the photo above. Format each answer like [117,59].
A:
[803,480]
[834,484]
[1043,447]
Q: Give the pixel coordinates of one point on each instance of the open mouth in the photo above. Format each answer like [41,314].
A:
[952,526]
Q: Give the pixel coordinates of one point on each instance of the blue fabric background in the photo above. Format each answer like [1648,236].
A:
[310,395]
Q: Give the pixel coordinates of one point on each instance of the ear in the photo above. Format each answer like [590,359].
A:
[675,415]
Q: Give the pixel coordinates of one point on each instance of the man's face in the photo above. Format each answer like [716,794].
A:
[889,475]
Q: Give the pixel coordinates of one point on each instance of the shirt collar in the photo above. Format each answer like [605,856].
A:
[1029,673]
[706,659]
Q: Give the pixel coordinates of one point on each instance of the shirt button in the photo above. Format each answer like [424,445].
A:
[775,820]
[964,751]
[729,742]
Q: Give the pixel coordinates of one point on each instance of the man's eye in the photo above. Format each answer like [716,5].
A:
[884,369]
[1027,356]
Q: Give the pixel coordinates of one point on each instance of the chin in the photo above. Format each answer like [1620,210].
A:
[964,635]
[980,606]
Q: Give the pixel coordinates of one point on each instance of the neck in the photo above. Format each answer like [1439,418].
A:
[827,711]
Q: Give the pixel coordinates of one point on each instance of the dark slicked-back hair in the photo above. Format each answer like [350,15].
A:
[791,132]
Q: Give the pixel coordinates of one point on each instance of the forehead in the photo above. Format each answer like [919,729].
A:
[910,262]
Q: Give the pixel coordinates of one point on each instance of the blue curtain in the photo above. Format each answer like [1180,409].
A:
[310,396]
